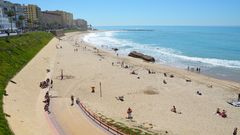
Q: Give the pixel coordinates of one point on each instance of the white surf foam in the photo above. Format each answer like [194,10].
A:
[164,55]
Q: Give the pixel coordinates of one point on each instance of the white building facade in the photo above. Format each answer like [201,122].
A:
[5,23]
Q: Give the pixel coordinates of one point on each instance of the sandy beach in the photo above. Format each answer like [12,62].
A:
[85,66]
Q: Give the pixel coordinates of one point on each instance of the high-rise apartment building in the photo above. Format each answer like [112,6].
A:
[33,15]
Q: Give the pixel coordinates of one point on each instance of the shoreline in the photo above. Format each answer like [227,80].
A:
[199,80]
[167,67]
[210,72]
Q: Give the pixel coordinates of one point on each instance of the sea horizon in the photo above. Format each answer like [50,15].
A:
[157,25]
[214,49]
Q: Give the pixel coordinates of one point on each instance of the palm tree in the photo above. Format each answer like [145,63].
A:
[10,14]
[21,18]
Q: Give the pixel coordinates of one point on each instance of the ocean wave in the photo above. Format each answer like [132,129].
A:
[164,55]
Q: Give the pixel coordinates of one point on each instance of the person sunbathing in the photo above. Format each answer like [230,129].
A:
[199,93]
[134,73]
[224,114]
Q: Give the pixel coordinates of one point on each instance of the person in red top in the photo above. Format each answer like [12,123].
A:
[224,114]
[129,112]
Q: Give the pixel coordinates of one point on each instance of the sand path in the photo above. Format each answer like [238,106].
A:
[71,119]
[24,102]
[25,107]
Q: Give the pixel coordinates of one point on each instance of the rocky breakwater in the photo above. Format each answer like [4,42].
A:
[141,56]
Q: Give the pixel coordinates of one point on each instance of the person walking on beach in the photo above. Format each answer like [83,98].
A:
[77,101]
[224,114]
[61,74]
[51,84]
[72,99]
[235,131]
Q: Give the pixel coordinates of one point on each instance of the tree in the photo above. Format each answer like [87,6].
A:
[29,22]
[35,24]
[21,18]
[10,14]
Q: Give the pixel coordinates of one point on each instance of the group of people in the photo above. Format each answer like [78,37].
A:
[198,69]
[47,102]
[72,100]
[45,84]
[48,83]
[151,72]
[75,50]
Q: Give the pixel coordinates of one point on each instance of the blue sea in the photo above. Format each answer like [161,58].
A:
[216,50]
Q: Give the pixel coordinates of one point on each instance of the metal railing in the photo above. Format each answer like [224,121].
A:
[100,122]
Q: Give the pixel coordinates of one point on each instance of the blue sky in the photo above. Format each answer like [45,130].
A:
[148,12]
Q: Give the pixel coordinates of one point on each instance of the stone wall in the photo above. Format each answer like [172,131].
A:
[57,33]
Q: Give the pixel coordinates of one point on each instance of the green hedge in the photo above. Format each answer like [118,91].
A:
[15,53]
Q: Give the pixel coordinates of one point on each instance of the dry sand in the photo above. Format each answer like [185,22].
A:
[149,98]
[89,68]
